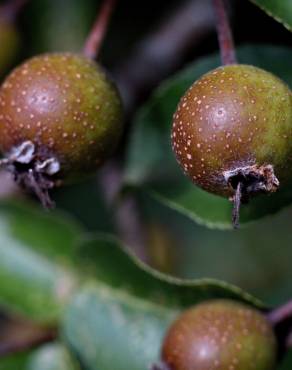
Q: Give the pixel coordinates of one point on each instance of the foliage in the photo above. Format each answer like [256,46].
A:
[66,268]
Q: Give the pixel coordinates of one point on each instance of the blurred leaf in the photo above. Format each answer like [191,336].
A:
[111,331]
[287,362]
[51,357]
[111,266]
[85,201]
[281,10]
[59,25]
[151,162]
[35,248]
[14,362]
[246,257]
[117,322]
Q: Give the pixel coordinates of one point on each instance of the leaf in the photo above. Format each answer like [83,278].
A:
[14,362]
[281,10]
[117,321]
[151,163]
[51,357]
[35,278]
[115,333]
[54,32]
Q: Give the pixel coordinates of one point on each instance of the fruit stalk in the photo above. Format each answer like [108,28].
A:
[97,34]
[163,51]
[160,366]
[280,314]
[10,9]
[29,337]
[225,37]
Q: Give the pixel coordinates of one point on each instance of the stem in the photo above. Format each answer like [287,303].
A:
[126,217]
[28,341]
[163,51]
[97,34]
[10,10]
[289,341]
[280,314]
[225,37]
[236,205]
[160,366]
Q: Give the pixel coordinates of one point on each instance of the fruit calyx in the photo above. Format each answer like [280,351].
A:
[32,170]
[247,182]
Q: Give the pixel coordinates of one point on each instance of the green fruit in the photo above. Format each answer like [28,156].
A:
[234,125]
[60,116]
[220,335]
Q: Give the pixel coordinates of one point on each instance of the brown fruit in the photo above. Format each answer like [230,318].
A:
[234,127]
[60,118]
[220,335]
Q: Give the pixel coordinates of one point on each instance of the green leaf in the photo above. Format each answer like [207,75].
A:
[118,320]
[51,357]
[112,332]
[55,32]
[281,10]
[151,163]
[112,266]
[14,362]
[35,247]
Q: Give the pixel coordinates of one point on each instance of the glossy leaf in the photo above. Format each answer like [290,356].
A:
[281,10]
[151,163]
[118,320]
[35,278]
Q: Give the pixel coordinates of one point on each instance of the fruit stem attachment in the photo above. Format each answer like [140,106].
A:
[280,319]
[236,205]
[33,339]
[9,11]
[160,366]
[247,182]
[96,36]
[280,314]
[225,37]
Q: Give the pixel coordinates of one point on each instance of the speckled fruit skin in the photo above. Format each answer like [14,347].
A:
[66,105]
[220,335]
[234,116]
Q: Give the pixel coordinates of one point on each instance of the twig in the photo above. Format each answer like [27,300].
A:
[19,336]
[126,215]
[10,10]
[160,366]
[96,36]
[280,314]
[288,342]
[225,37]
[163,51]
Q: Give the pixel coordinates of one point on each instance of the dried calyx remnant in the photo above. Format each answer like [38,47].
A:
[247,182]
[32,170]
